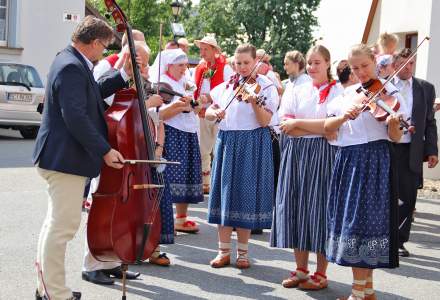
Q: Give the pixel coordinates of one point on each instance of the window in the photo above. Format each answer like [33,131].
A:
[21,74]
[411,41]
[3,22]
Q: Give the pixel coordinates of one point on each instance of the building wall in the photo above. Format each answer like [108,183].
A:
[405,16]
[41,31]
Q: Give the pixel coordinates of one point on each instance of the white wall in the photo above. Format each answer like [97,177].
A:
[42,31]
[403,16]
[433,71]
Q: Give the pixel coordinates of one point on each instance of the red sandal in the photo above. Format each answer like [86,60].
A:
[294,280]
[317,281]
[186,226]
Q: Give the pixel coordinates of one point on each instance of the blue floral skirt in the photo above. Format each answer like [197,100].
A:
[183,183]
[242,189]
[362,208]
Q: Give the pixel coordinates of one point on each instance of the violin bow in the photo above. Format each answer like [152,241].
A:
[160,55]
[394,74]
[241,87]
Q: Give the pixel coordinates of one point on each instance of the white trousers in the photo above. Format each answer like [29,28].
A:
[208,135]
[89,262]
[60,225]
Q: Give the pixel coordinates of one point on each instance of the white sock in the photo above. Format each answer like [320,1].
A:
[242,250]
[224,249]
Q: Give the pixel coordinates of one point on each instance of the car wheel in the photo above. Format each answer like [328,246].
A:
[29,132]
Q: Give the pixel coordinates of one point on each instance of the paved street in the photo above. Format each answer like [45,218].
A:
[23,206]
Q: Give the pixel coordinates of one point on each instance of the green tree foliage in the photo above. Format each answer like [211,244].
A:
[279,25]
[146,15]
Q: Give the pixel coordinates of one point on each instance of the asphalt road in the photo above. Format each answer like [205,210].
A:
[23,206]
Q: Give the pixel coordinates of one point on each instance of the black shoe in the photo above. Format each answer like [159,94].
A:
[117,273]
[257,231]
[37,296]
[403,252]
[75,295]
[97,277]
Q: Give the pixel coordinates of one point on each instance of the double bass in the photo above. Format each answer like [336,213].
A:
[124,219]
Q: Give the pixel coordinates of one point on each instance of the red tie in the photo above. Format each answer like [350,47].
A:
[325,91]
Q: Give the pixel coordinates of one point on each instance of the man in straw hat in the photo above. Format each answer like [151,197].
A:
[210,72]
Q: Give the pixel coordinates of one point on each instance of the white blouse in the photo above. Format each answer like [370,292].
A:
[365,128]
[240,115]
[291,84]
[188,122]
[303,102]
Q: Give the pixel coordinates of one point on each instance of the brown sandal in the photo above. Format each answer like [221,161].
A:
[242,261]
[160,260]
[221,261]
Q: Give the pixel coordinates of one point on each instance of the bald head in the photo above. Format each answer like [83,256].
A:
[183,44]
[137,36]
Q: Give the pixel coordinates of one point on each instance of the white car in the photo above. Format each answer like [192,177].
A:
[21,98]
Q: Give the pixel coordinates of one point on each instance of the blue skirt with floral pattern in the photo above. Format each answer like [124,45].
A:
[242,189]
[362,208]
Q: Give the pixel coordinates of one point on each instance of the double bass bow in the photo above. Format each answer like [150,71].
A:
[124,219]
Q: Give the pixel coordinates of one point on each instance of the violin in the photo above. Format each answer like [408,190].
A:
[383,105]
[250,89]
[163,89]
[244,89]
[374,97]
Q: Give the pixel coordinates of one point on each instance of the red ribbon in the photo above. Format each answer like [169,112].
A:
[323,94]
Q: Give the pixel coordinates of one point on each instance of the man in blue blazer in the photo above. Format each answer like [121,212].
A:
[415,148]
[72,145]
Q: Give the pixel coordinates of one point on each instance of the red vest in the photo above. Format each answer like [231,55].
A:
[218,68]
[112,59]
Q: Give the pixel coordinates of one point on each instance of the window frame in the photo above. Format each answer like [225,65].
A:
[4,43]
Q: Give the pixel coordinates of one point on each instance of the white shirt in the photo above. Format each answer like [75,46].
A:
[88,62]
[365,128]
[240,115]
[271,75]
[188,122]
[290,85]
[406,106]
[100,69]
[303,102]
[103,67]
[206,82]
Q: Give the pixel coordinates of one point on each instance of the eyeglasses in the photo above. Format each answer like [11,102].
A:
[103,45]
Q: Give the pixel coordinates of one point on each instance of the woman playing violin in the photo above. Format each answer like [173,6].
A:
[242,173]
[362,209]
[184,181]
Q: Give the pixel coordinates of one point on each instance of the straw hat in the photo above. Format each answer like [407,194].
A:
[208,40]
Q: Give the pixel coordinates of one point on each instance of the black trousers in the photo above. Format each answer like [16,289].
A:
[276,158]
[409,181]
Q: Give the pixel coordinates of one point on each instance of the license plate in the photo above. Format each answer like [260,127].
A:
[19,97]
